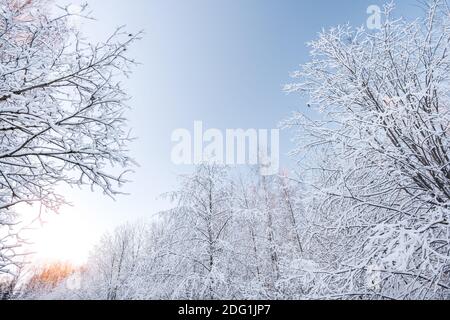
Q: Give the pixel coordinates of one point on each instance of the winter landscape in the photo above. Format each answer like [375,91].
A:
[341,190]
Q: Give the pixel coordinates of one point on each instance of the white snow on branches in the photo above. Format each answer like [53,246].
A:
[61,109]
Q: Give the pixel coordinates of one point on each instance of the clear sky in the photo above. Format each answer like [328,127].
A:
[220,61]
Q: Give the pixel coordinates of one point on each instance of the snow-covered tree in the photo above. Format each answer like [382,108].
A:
[379,173]
[202,216]
[61,111]
[271,220]
[113,271]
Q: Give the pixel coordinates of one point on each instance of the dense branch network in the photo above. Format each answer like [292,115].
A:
[61,108]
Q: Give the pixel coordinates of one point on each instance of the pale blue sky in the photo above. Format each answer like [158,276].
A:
[220,61]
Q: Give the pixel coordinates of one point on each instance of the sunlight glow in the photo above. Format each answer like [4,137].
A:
[65,237]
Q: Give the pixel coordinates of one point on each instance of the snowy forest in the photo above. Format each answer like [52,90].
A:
[364,214]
